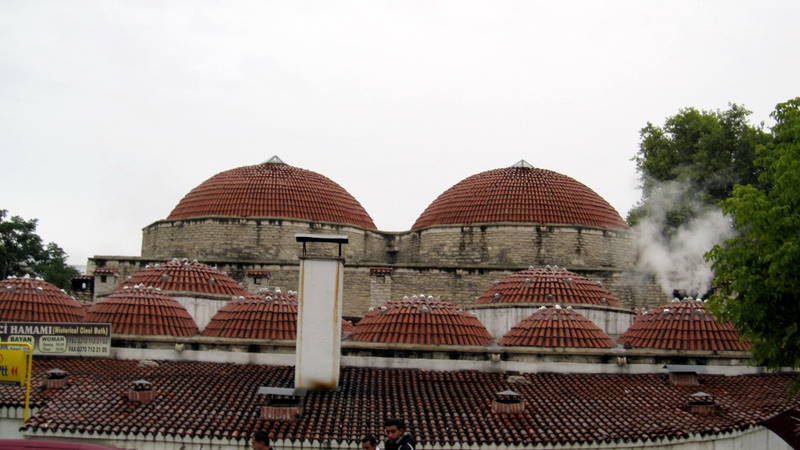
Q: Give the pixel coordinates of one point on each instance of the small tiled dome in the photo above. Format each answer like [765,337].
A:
[522,194]
[273,189]
[183,276]
[266,315]
[35,300]
[557,327]
[144,311]
[549,284]
[421,320]
[684,325]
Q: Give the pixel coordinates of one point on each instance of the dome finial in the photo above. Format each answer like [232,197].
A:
[523,164]
[274,160]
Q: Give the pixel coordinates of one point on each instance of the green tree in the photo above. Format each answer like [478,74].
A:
[23,253]
[706,152]
[758,271]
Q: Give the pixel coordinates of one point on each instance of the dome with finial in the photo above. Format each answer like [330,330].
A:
[182,276]
[682,325]
[520,194]
[35,300]
[268,314]
[142,310]
[557,327]
[424,320]
[273,189]
[550,285]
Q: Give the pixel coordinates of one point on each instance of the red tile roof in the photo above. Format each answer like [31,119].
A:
[684,325]
[105,271]
[34,300]
[214,400]
[550,284]
[144,311]
[180,276]
[557,327]
[270,315]
[520,194]
[273,190]
[421,320]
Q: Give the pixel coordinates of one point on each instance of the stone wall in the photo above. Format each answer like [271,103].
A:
[368,285]
[504,244]
[244,239]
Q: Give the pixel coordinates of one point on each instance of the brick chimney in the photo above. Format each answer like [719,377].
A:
[680,375]
[141,391]
[319,314]
[702,404]
[56,379]
[508,402]
[280,403]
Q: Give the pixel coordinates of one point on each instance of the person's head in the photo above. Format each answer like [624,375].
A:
[394,428]
[261,441]
[369,442]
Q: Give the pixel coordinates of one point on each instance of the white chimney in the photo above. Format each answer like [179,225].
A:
[319,315]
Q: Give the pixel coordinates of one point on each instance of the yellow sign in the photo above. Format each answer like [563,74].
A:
[16,366]
[13,365]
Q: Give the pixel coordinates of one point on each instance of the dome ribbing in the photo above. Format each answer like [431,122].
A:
[270,315]
[521,194]
[684,325]
[549,284]
[557,327]
[183,276]
[421,320]
[273,189]
[34,300]
[142,310]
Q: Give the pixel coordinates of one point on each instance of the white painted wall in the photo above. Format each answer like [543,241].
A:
[500,320]
[319,322]
[201,309]
[755,438]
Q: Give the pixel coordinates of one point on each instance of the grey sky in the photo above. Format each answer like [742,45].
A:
[111,111]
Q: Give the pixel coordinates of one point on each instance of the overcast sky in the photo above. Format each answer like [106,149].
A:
[111,111]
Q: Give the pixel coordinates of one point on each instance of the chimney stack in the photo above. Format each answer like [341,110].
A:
[141,391]
[702,404]
[280,403]
[56,379]
[319,314]
[508,402]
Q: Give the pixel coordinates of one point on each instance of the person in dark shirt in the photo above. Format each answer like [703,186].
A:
[397,438]
[261,441]
[369,442]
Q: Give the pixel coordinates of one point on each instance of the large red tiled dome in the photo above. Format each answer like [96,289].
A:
[34,300]
[549,284]
[684,325]
[522,194]
[186,277]
[273,189]
[144,311]
[270,315]
[557,327]
[421,320]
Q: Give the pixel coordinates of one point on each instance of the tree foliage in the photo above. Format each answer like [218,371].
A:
[22,252]
[758,271]
[707,151]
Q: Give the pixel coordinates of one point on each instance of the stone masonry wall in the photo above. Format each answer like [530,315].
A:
[253,240]
[503,245]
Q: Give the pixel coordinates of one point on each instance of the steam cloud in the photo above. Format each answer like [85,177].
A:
[677,261]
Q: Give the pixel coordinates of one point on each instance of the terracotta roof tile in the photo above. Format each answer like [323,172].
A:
[186,276]
[144,311]
[105,271]
[550,285]
[197,399]
[270,315]
[520,194]
[421,320]
[34,300]
[273,190]
[684,325]
[557,327]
